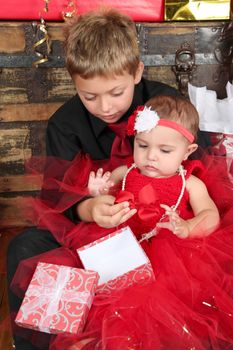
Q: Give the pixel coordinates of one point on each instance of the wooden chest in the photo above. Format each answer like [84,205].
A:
[174,53]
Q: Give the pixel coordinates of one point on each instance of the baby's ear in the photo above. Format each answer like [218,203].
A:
[191,149]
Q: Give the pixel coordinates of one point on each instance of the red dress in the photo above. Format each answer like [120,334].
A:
[146,194]
[190,304]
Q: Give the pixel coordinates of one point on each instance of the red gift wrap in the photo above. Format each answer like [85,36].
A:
[58,299]
[141,275]
[139,10]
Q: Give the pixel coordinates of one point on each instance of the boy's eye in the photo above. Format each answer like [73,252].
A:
[115,94]
[89,98]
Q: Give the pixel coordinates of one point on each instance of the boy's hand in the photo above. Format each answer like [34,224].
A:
[99,182]
[107,214]
[175,224]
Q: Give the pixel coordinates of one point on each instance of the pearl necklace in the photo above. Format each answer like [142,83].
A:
[181,171]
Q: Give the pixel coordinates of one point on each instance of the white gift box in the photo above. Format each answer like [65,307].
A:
[119,260]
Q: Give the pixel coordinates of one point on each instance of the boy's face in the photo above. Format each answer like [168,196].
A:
[160,152]
[107,98]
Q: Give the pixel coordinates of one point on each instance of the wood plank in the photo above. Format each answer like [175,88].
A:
[28,112]
[174,25]
[214,77]
[25,53]
[14,145]
[31,85]
[13,86]
[18,142]
[6,342]
[166,41]
[12,38]
[61,84]
[20,183]
[162,73]
[11,215]
[55,29]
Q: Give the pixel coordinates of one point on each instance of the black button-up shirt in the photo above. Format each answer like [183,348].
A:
[72,128]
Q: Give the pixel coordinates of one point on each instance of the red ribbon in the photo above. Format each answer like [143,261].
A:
[121,147]
[148,204]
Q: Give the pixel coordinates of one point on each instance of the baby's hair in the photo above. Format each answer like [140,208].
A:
[101,43]
[177,109]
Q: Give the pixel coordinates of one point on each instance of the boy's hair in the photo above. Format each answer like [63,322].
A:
[177,109]
[101,43]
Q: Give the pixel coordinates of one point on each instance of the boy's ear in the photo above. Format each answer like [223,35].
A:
[191,149]
[139,72]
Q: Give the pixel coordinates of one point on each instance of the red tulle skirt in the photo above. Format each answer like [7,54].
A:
[190,303]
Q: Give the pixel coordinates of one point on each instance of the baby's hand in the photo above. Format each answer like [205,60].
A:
[107,214]
[175,224]
[99,183]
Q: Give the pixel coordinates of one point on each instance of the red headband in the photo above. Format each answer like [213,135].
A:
[144,119]
[171,124]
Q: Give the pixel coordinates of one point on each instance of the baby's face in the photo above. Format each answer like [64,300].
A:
[160,152]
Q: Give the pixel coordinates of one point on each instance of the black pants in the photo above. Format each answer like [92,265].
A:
[25,245]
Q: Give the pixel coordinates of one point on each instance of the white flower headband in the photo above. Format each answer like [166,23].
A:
[144,120]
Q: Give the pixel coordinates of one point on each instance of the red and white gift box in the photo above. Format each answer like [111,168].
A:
[58,299]
[119,260]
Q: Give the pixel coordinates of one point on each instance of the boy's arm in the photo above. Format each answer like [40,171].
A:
[59,142]
[206,215]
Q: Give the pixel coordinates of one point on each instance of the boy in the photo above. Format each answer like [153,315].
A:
[102,57]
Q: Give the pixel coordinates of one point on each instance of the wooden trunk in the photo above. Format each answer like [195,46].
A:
[174,53]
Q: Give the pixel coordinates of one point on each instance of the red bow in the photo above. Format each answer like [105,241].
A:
[147,205]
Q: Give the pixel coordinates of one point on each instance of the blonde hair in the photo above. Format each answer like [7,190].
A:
[177,109]
[101,43]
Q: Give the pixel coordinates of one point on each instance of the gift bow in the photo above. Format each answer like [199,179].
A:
[51,295]
[147,205]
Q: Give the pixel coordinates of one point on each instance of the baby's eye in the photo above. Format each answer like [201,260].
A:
[165,151]
[142,145]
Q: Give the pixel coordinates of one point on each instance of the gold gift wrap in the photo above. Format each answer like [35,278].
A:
[191,10]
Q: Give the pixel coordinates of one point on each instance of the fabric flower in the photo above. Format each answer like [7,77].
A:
[142,120]
[146,120]
[131,121]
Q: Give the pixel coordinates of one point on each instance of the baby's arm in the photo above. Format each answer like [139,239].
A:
[206,215]
[100,182]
